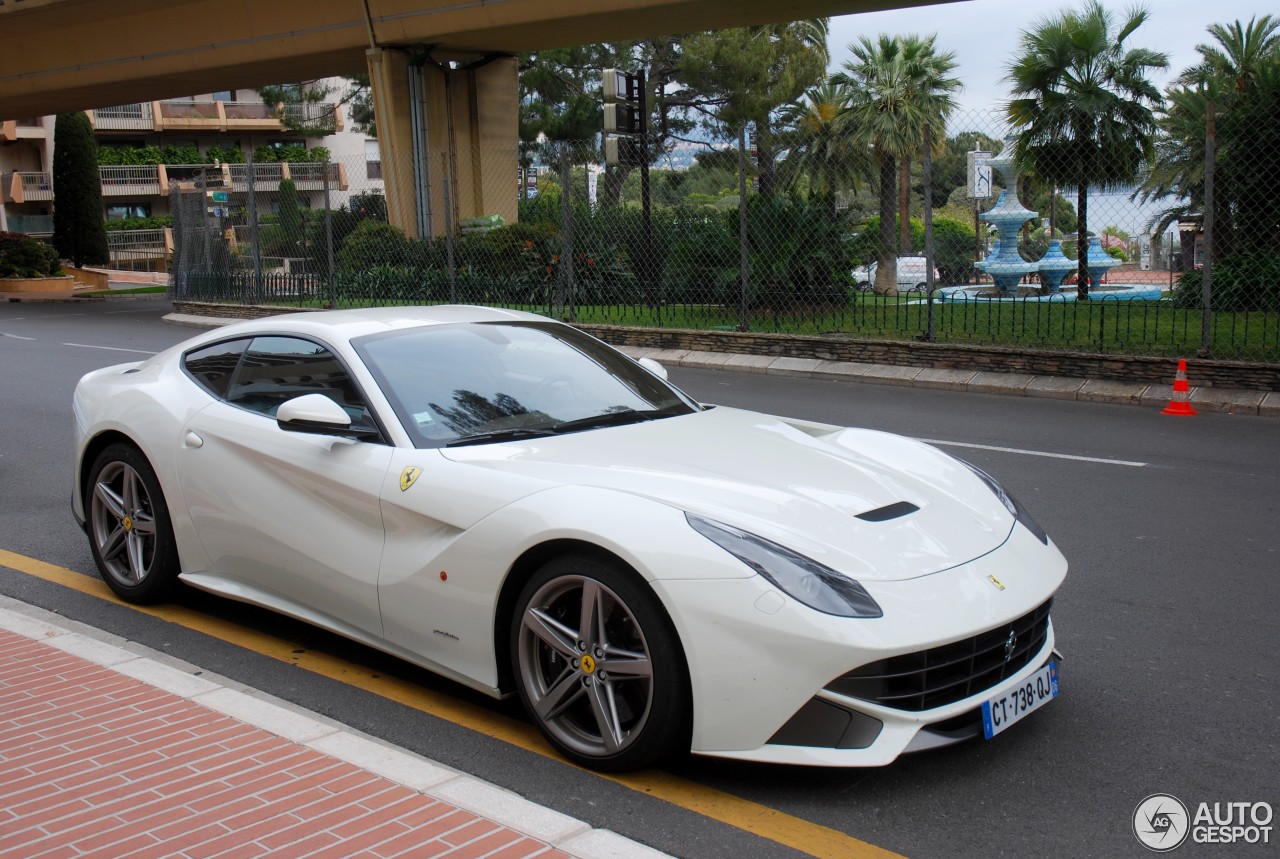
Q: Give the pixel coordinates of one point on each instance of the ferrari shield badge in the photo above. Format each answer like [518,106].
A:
[408,476]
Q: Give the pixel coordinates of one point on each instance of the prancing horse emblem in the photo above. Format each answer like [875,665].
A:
[1010,645]
[408,476]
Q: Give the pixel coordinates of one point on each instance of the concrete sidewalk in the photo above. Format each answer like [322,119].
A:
[1266,403]
[109,749]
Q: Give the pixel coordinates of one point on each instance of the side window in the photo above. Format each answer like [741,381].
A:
[213,366]
[276,369]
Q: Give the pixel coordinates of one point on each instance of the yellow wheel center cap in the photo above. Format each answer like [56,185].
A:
[127,522]
[588,665]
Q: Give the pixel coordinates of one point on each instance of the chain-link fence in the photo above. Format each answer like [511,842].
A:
[804,251]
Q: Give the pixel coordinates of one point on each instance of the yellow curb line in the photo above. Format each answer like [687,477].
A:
[794,832]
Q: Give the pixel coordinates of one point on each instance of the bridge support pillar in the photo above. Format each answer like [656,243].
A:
[448,138]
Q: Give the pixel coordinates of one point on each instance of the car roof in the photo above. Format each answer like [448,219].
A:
[349,324]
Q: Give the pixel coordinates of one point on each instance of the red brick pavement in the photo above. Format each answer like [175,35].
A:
[97,764]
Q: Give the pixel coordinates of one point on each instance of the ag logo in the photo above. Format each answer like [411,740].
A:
[408,476]
[1161,822]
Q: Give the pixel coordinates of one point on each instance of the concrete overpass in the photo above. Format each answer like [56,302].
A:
[65,55]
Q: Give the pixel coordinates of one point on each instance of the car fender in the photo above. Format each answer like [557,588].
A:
[433,565]
[145,405]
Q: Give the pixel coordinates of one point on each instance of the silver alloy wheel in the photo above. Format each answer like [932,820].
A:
[585,666]
[123,524]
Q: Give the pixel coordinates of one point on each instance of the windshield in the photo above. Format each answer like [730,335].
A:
[498,381]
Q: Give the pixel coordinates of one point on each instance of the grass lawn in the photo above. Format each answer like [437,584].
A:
[1121,327]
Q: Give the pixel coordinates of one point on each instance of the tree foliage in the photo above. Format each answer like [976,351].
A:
[1240,74]
[898,86]
[1083,105]
[79,226]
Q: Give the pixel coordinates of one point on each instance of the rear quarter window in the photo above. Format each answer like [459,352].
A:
[213,366]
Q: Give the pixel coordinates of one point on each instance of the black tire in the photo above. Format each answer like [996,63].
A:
[920,287]
[617,698]
[129,529]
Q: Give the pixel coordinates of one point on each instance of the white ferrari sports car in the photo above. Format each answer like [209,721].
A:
[518,506]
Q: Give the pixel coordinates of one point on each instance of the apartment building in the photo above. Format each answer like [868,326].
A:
[197,143]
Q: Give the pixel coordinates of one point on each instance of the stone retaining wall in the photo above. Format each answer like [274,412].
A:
[1038,362]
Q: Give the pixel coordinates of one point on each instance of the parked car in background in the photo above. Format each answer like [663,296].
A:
[911,275]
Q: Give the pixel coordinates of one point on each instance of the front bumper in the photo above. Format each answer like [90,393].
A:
[760,662]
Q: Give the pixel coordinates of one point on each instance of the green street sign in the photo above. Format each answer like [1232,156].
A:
[218,196]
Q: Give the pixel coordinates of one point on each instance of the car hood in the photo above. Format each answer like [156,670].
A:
[801,485]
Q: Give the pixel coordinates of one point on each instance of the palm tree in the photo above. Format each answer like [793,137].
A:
[1232,74]
[1238,57]
[819,144]
[1083,104]
[900,85]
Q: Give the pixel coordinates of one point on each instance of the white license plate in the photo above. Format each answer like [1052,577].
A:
[1032,694]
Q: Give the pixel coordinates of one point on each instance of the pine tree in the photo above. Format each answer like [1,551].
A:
[79,230]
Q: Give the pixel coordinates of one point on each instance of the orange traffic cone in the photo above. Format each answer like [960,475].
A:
[1178,404]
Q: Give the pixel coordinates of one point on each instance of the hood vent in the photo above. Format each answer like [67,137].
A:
[889,511]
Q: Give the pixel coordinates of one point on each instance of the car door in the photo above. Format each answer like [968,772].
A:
[293,516]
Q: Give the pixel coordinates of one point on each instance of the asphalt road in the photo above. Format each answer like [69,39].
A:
[1167,618]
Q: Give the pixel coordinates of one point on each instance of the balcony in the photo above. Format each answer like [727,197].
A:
[266,177]
[306,176]
[27,186]
[131,181]
[139,245]
[322,117]
[22,129]
[311,177]
[32,225]
[223,116]
[125,117]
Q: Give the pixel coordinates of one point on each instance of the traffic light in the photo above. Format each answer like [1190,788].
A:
[624,106]
[623,151]
[623,119]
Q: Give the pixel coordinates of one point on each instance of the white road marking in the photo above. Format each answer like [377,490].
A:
[17,337]
[111,348]
[1124,462]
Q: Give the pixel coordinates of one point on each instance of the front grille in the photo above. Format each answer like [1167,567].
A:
[943,675]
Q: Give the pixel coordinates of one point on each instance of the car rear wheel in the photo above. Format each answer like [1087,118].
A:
[129,528]
[920,287]
[598,665]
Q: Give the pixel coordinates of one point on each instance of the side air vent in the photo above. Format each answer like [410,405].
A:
[889,511]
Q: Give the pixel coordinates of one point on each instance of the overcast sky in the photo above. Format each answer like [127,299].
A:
[985,33]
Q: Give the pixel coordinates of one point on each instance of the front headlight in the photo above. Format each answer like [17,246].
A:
[1011,504]
[819,587]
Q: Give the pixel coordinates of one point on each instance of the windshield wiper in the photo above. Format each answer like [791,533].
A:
[513,434]
[618,418]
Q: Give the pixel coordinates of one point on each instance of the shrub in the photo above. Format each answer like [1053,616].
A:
[508,246]
[1241,282]
[374,243]
[151,222]
[952,250]
[23,256]
[865,245]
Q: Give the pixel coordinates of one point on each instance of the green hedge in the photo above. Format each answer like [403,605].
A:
[1244,282]
[23,256]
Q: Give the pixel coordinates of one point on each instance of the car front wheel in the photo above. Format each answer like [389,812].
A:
[598,665]
[129,529]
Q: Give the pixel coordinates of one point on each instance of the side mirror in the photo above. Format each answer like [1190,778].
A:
[318,415]
[653,367]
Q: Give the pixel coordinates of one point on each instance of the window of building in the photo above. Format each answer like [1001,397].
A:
[225,95]
[372,160]
[129,210]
